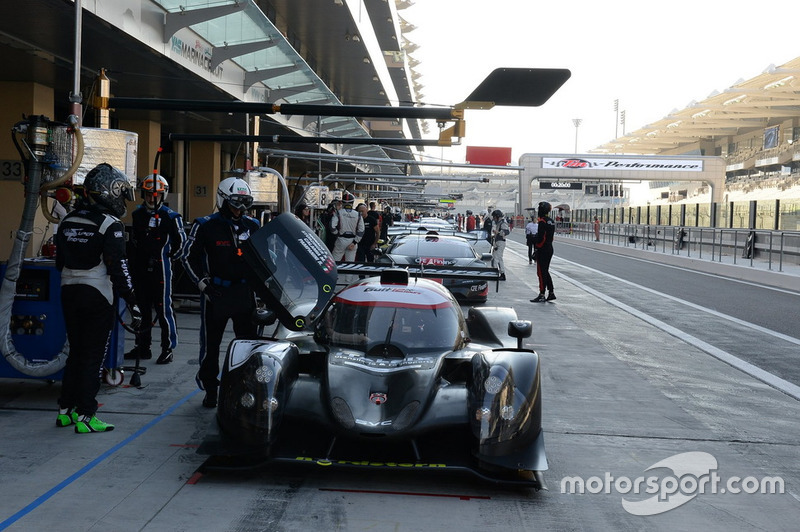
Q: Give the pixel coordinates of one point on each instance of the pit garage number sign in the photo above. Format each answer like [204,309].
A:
[11,170]
[317,196]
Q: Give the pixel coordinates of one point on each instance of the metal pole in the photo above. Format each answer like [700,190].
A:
[75,97]
[577,122]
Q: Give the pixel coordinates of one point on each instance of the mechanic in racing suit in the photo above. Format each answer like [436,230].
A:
[90,255]
[213,261]
[157,239]
[543,242]
[348,226]
[499,232]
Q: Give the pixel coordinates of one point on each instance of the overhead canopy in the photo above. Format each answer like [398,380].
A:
[755,104]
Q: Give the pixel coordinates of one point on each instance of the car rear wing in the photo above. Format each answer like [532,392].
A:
[472,236]
[438,272]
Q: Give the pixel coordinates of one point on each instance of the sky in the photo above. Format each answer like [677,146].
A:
[654,57]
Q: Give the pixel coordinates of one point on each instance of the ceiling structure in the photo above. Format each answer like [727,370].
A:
[316,51]
[768,99]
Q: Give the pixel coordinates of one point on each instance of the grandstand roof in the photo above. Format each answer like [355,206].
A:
[763,101]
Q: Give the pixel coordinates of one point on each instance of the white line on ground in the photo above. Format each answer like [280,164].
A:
[776,382]
[766,377]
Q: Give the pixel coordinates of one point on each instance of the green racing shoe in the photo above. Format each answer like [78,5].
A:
[66,417]
[88,424]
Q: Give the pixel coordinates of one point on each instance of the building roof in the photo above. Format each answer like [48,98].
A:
[297,52]
[766,100]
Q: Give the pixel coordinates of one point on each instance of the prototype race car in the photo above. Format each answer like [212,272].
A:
[441,250]
[386,373]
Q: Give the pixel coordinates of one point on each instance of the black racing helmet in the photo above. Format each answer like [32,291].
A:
[348,198]
[109,188]
[544,208]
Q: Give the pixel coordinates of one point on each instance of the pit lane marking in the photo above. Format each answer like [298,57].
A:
[92,464]
[764,376]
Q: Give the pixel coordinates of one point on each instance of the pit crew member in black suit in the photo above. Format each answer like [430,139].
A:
[213,261]
[90,254]
[157,239]
[543,243]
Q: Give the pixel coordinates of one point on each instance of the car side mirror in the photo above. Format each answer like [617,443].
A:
[520,329]
[486,257]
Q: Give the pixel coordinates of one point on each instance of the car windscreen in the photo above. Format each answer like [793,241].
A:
[365,326]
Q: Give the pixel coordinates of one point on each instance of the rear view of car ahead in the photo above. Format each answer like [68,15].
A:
[389,374]
[441,250]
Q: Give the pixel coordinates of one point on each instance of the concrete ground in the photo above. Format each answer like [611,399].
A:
[620,396]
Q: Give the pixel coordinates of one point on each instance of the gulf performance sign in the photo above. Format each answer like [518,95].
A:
[611,163]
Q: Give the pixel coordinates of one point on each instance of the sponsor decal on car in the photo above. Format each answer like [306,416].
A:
[344,358]
[368,463]
[377,398]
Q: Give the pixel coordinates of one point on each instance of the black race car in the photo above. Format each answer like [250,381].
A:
[434,249]
[386,373]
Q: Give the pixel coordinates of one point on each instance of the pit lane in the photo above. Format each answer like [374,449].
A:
[620,394]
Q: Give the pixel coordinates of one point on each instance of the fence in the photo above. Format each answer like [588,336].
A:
[775,249]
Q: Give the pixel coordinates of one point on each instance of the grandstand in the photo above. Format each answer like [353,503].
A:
[754,125]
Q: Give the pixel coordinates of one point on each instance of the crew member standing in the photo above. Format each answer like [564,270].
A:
[324,224]
[543,242]
[596,229]
[90,254]
[157,239]
[530,233]
[365,251]
[213,261]
[387,220]
[499,232]
[470,222]
[348,226]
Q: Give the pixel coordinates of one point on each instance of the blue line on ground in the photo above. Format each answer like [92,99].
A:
[88,467]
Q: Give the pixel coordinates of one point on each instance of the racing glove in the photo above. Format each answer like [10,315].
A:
[136,316]
[208,289]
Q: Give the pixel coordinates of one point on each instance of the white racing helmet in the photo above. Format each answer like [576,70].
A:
[154,184]
[236,192]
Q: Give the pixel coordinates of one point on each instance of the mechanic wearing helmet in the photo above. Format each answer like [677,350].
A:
[157,239]
[213,260]
[90,254]
[543,243]
[499,232]
[348,226]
